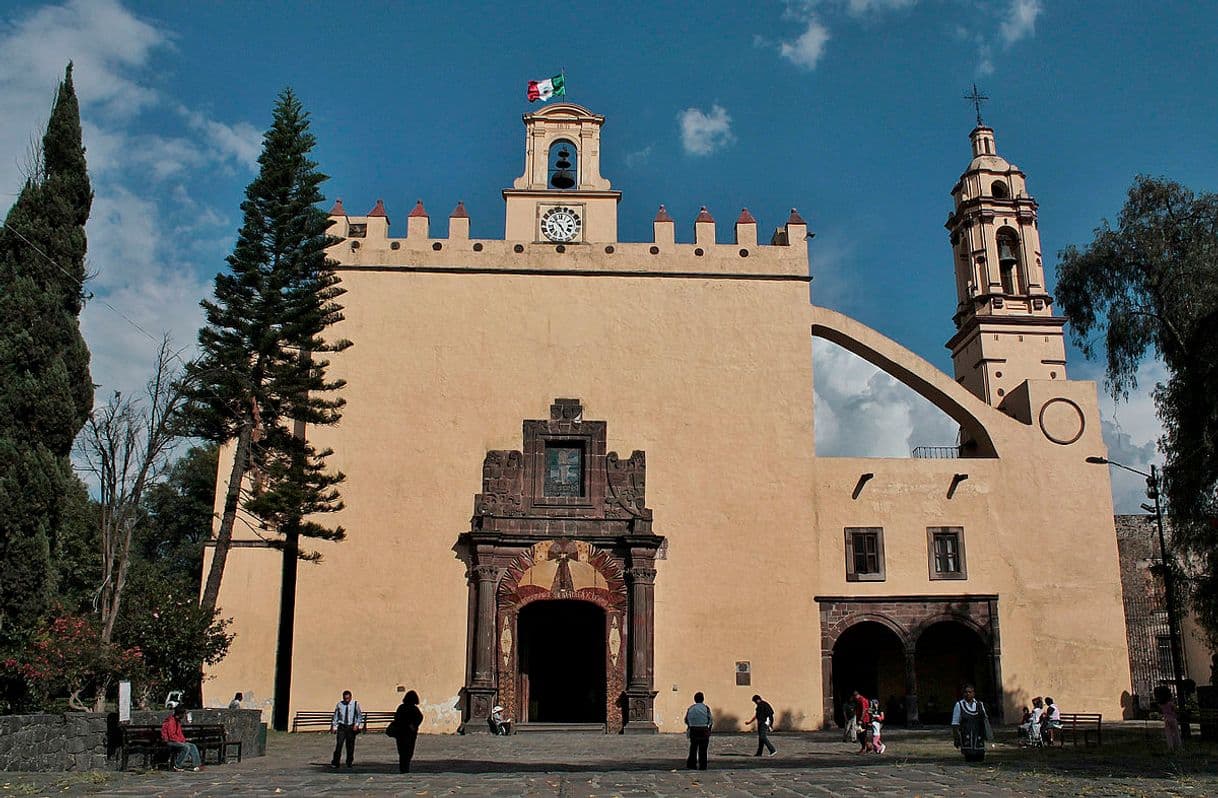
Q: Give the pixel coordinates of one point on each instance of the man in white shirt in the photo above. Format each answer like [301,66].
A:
[348,721]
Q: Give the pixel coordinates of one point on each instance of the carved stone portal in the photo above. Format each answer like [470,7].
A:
[561,520]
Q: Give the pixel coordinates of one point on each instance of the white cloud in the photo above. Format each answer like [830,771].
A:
[806,50]
[639,157]
[858,8]
[985,57]
[146,226]
[861,411]
[1020,22]
[241,142]
[704,133]
[1131,431]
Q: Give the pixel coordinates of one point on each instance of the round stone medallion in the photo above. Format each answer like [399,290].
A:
[1062,421]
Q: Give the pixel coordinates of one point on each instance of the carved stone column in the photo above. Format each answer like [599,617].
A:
[911,688]
[640,695]
[480,692]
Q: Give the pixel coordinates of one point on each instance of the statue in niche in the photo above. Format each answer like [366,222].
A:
[563,551]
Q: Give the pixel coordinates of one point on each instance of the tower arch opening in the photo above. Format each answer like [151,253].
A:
[1009,266]
[563,169]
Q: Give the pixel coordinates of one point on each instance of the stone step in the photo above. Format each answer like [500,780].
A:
[567,728]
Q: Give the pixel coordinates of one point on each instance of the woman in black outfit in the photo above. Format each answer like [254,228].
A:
[407,720]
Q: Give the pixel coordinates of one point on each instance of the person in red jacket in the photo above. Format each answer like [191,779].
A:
[186,755]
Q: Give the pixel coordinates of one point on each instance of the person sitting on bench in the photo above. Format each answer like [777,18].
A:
[497,722]
[186,755]
[1051,722]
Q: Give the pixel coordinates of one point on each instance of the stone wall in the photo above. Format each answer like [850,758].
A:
[53,743]
[80,740]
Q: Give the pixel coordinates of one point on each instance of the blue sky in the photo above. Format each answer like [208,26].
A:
[850,110]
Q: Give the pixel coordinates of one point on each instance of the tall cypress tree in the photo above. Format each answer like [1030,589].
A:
[260,381]
[46,392]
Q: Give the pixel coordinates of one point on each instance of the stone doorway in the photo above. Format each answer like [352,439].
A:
[561,551]
[562,662]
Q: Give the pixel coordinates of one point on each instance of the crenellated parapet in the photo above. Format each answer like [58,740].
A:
[366,242]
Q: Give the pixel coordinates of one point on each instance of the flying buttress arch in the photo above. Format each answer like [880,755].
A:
[967,410]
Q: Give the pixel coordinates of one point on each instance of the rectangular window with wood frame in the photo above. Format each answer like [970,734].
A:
[864,554]
[945,545]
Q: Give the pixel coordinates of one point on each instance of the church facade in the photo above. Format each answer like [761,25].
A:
[582,481]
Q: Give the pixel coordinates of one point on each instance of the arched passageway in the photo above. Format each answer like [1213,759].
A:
[949,655]
[562,662]
[869,657]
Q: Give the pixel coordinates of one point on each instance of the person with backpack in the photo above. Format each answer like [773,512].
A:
[404,729]
[763,715]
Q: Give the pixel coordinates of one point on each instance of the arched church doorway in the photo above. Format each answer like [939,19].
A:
[869,657]
[950,655]
[562,662]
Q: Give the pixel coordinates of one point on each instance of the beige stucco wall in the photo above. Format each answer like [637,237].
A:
[713,379]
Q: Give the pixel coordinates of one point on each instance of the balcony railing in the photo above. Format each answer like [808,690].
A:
[936,452]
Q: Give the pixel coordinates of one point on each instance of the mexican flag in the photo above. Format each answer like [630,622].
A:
[545,89]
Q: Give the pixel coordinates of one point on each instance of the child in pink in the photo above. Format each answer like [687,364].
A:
[877,724]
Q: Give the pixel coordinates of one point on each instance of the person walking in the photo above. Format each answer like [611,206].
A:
[851,732]
[698,724]
[406,722]
[186,755]
[763,715]
[347,722]
[1171,718]
[862,720]
[970,726]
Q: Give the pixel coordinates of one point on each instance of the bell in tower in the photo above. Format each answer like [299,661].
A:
[562,177]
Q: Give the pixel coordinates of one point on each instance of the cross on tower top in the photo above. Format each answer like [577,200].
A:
[977,99]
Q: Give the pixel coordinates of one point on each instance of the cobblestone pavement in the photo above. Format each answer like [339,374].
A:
[597,766]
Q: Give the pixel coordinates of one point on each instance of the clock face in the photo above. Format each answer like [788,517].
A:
[561,224]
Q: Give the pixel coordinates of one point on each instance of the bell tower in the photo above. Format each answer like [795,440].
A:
[1006,329]
[561,198]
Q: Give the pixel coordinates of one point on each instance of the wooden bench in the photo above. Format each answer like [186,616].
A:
[1081,724]
[211,737]
[146,742]
[308,720]
[304,721]
[143,741]
[378,719]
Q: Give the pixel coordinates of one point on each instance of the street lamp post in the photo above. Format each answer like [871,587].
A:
[1169,586]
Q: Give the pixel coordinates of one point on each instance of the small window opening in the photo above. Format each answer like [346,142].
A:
[864,554]
[946,552]
[1000,190]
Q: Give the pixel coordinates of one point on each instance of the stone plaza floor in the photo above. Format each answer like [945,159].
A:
[922,763]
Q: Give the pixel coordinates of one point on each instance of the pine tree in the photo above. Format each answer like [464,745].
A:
[46,391]
[259,380]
